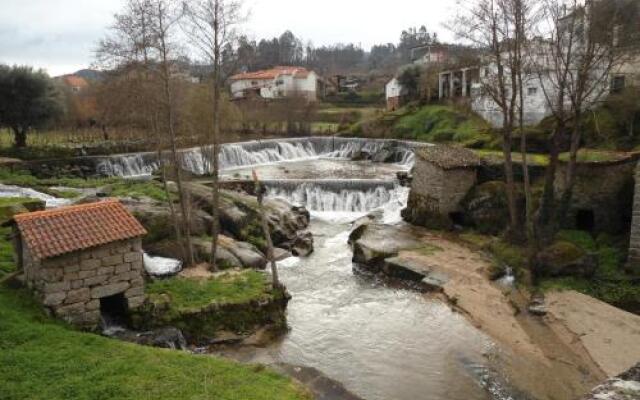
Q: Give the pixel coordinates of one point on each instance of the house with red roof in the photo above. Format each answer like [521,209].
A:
[83,262]
[276,83]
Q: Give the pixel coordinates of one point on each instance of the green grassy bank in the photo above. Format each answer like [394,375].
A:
[43,359]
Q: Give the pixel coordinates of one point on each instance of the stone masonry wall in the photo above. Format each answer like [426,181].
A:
[456,186]
[634,245]
[72,285]
[427,179]
[435,193]
[605,189]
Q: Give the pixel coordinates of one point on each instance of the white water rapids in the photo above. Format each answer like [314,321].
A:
[256,153]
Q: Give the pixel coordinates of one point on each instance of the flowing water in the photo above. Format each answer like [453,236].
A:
[381,342]
[259,152]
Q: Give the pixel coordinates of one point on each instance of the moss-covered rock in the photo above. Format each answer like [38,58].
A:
[17,205]
[241,303]
[486,207]
[564,258]
[419,212]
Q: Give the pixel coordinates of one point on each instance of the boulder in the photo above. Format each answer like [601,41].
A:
[486,208]
[565,259]
[157,220]
[240,217]
[231,253]
[372,244]
[301,246]
[625,386]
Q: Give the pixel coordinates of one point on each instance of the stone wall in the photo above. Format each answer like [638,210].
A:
[604,189]
[427,179]
[456,186]
[634,245]
[72,285]
[436,193]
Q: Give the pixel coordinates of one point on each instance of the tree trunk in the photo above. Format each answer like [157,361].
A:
[177,167]
[20,137]
[508,172]
[546,224]
[267,234]
[215,191]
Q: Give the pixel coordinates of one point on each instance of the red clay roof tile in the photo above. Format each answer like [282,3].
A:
[56,232]
[267,74]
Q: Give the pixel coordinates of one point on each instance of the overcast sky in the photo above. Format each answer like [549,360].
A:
[60,35]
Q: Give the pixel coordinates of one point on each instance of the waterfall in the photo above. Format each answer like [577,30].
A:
[17,191]
[247,154]
[335,196]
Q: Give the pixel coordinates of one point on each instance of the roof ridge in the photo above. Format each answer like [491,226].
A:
[65,210]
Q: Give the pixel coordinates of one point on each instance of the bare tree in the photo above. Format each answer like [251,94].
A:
[574,68]
[140,47]
[211,25]
[499,27]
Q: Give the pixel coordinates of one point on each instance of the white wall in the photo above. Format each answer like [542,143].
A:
[394,89]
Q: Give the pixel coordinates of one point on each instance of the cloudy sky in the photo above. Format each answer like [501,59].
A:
[60,35]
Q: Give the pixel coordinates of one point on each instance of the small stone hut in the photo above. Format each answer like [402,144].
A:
[82,261]
[442,177]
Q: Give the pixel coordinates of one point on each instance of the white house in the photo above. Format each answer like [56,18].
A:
[395,93]
[276,83]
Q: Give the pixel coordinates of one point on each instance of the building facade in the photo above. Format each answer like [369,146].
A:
[442,178]
[276,83]
[395,94]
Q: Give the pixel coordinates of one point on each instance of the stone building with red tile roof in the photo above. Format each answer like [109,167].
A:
[82,261]
[276,83]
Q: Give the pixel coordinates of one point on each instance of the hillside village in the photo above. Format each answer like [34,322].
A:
[205,214]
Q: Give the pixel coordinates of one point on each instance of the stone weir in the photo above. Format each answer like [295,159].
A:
[335,195]
[245,154]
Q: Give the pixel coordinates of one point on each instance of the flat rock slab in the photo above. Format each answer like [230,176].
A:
[322,387]
[377,243]
[415,270]
[610,335]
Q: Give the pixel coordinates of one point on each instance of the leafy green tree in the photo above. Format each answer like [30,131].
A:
[28,100]
[409,78]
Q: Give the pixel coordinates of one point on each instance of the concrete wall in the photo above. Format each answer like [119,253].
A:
[72,285]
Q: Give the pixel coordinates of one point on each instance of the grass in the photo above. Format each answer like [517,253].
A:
[26,179]
[7,262]
[442,124]
[120,187]
[43,359]
[532,158]
[138,190]
[610,283]
[230,288]
[593,155]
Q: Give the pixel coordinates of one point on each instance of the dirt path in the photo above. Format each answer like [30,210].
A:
[545,357]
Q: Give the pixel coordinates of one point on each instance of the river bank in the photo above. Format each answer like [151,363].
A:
[579,343]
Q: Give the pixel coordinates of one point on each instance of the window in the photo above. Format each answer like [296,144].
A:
[617,84]
[279,82]
[254,83]
[532,91]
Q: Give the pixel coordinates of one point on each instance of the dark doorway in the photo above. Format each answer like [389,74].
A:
[114,310]
[585,220]
[457,218]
